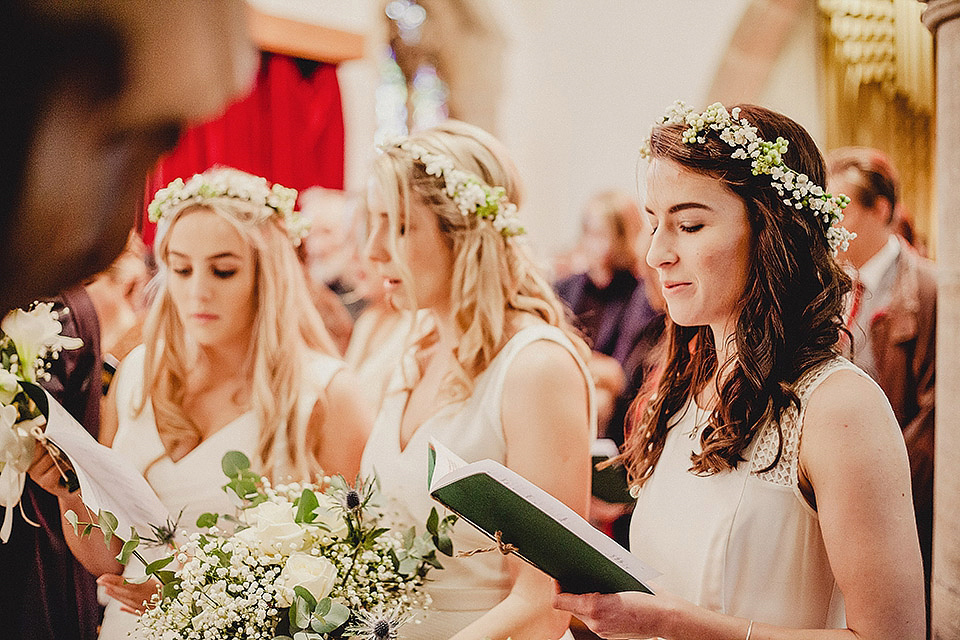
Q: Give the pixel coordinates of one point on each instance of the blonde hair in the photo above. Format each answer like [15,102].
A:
[492,275]
[286,326]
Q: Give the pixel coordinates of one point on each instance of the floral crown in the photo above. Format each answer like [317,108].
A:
[224,182]
[766,158]
[471,194]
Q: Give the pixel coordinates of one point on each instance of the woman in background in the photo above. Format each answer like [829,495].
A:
[493,372]
[235,357]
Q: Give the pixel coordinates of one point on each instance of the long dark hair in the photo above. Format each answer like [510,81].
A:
[790,314]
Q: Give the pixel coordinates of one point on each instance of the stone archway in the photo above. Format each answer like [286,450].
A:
[754,49]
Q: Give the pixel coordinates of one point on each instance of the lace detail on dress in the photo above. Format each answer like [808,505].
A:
[785,471]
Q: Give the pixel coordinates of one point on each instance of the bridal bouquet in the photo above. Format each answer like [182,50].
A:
[27,340]
[297,561]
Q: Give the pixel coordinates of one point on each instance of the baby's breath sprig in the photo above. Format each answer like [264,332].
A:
[469,192]
[766,158]
[224,182]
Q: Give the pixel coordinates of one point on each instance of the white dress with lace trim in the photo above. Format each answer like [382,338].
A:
[743,542]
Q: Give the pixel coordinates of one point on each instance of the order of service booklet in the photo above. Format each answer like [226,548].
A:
[546,533]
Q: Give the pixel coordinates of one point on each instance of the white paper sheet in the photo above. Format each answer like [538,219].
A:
[107,480]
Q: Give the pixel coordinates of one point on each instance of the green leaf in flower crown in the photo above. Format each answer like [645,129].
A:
[108,524]
[165,576]
[234,463]
[207,520]
[306,505]
[128,547]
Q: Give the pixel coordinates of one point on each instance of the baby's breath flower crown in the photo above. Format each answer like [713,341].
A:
[227,183]
[471,194]
[766,158]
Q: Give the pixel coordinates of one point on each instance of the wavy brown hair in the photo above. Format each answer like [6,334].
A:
[789,318]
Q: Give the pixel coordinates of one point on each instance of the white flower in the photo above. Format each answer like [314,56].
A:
[9,386]
[330,515]
[315,574]
[467,190]
[16,449]
[273,529]
[36,333]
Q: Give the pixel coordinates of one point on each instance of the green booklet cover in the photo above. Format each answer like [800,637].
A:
[547,533]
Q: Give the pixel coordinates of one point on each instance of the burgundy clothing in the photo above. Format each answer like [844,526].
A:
[45,594]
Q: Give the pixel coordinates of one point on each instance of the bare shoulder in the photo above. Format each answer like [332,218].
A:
[545,384]
[847,416]
[343,388]
[544,358]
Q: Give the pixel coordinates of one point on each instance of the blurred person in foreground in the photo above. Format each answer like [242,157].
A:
[91,106]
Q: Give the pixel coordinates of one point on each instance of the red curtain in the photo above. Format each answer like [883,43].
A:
[289,129]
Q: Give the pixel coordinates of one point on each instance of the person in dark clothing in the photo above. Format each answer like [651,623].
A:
[46,593]
[605,298]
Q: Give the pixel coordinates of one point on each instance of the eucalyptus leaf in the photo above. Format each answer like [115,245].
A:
[71,517]
[108,525]
[444,544]
[170,590]
[306,505]
[234,463]
[307,596]
[207,520]
[156,565]
[433,520]
[408,566]
[128,547]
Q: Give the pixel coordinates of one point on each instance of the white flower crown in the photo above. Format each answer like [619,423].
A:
[471,194]
[224,182]
[766,158]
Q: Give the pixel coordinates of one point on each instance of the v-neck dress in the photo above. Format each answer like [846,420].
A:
[195,482]
[744,542]
[467,587]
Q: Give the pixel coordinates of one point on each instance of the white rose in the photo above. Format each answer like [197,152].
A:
[273,529]
[9,386]
[330,515]
[315,574]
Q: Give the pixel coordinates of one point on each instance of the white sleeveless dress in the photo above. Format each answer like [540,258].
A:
[193,483]
[467,587]
[741,542]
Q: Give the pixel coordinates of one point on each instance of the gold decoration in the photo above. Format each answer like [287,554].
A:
[879,89]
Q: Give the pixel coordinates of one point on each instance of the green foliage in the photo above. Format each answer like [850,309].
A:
[307,503]
[207,520]
[309,619]
[419,553]
[243,482]
[128,546]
